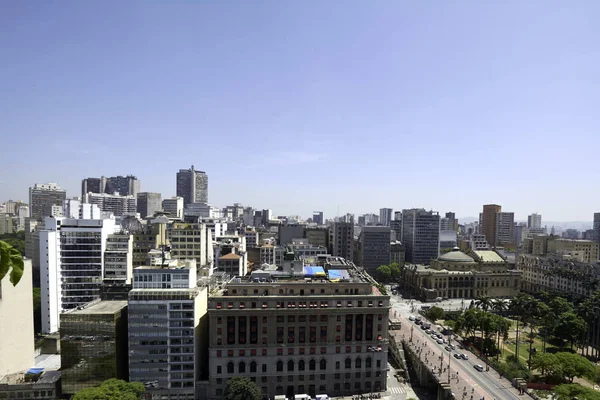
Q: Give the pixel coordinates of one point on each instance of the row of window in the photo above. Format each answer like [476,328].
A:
[301,304]
[290,351]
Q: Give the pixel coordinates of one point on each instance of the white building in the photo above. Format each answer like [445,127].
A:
[167,321]
[118,258]
[71,264]
[174,206]
[202,210]
[118,205]
[534,221]
[73,208]
[478,242]
[304,249]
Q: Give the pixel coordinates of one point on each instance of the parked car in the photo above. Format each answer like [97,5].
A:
[411,318]
[440,341]
[464,356]
[448,348]
[457,356]
[438,299]
[478,367]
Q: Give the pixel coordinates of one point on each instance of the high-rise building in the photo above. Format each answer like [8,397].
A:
[375,247]
[173,206]
[192,185]
[396,225]
[488,222]
[124,185]
[146,238]
[505,228]
[71,265]
[190,241]
[596,226]
[118,258]
[148,203]
[385,216]
[16,329]
[318,236]
[167,330]
[93,345]
[341,240]
[421,235]
[318,217]
[294,337]
[288,232]
[534,221]
[42,196]
[117,204]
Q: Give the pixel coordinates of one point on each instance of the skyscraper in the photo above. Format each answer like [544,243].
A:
[534,221]
[421,235]
[596,226]
[375,247]
[148,203]
[385,216]
[318,217]
[192,185]
[42,196]
[173,206]
[117,204]
[342,240]
[505,228]
[488,222]
[124,185]
[396,225]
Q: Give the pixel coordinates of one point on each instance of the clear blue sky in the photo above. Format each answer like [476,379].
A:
[296,105]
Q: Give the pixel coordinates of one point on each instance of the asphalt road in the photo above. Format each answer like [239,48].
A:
[478,384]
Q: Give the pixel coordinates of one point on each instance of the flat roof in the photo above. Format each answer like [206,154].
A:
[102,307]
[488,256]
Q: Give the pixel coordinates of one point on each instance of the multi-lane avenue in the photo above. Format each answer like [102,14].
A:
[465,380]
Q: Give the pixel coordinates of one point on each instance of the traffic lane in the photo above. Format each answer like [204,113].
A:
[433,362]
[483,379]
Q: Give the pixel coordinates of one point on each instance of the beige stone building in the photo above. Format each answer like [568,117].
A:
[294,333]
[585,251]
[459,275]
[16,324]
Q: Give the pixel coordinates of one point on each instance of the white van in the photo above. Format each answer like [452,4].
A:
[323,397]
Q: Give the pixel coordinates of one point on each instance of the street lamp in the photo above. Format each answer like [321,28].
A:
[373,349]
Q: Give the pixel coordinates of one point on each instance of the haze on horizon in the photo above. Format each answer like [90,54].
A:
[298,106]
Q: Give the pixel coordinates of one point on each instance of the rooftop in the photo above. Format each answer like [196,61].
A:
[456,256]
[230,256]
[102,307]
[488,256]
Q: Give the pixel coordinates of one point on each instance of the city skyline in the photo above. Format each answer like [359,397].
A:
[368,90]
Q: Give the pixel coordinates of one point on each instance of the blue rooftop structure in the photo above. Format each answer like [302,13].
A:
[314,270]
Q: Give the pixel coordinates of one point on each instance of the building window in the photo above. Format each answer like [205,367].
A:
[230,367]
[358,362]
[252,366]
[219,369]
[348,363]
[323,364]
[242,367]
[312,365]
[280,366]
[290,366]
[301,365]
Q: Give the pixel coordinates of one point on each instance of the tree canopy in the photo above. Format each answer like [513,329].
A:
[10,260]
[575,391]
[112,389]
[242,388]
[16,240]
[435,313]
[384,273]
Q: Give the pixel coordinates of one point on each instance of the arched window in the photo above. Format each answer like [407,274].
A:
[279,366]
[253,366]
[312,365]
[290,366]
[323,364]
[348,363]
[230,367]
[358,362]
[301,365]
[242,367]
[368,362]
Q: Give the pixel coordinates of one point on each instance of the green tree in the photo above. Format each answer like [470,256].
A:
[384,273]
[16,240]
[37,310]
[484,302]
[570,327]
[546,363]
[395,270]
[575,391]
[435,313]
[242,388]
[575,365]
[10,260]
[112,389]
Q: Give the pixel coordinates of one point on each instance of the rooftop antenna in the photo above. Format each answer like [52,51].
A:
[338,211]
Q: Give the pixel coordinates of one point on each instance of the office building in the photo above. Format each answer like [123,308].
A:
[71,265]
[385,216]
[146,238]
[534,221]
[299,334]
[6,223]
[167,330]
[148,203]
[421,235]
[375,247]
[289,232]
[318,217]
[192,185]
[193,211]
[73,208]
[118,258]
[124,185]
[271,254]
[229,254]
[448,239]
[585,251]
[397,253]
[596,226]
[114,203]
[488,222]
[16,324]
[42,196]
[318,236]
[31,384]
[341,240]
[505,228]
[234,212]
[191,241]
[456,275]
[93,345]
[173,206]
[396,226]
[305,250]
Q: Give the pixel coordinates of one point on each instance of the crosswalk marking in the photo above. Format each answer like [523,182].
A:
[396,390]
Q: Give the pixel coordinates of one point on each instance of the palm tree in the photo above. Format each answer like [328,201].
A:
[499,306]
[533,314]
[484,302]
[517,310]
